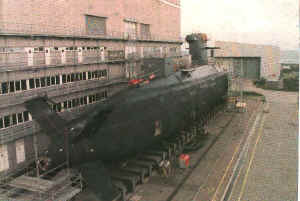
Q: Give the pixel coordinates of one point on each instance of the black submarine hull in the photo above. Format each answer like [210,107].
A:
[129,123]
[147,114]
[140,117]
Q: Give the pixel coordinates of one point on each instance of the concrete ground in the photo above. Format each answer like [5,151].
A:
[269,169]
[254,158]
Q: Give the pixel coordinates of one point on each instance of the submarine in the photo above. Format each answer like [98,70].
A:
[153,107]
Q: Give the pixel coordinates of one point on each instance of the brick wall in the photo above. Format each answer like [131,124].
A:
[69,16]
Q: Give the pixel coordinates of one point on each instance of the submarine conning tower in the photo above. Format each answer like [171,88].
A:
[198,48]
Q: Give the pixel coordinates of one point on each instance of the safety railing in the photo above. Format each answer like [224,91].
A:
[25,61]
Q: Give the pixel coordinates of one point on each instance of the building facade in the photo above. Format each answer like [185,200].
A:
[72,52]
[257,60]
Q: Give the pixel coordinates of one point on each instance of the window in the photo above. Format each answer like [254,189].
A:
[73,102]
[59,107]
[77,76]
[4,87]
[80,76]
[20,117]
[64,78]
[23,85]
[95,25]
[18,85]
[65,104]
[31,83]
[52,80]
[81,101]
[89,75]
[69,104]
[85,99]
[57,79]
[77,101]
[68,78]
[103,73]
[105,94]
[26,116]
[1,123]
[115,54]
[54,107]
[6,121]
[130,29]
[43,82]
[72,77]
[12,86]
[37,83]
[48,81]
[98,97]
[145,31]
[173,49]
[90,98]
[84,76]
[14,119]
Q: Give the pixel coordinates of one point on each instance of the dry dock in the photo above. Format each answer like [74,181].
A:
[248,156]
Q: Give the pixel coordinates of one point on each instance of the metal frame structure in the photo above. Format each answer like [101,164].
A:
[235,88]
[37,185]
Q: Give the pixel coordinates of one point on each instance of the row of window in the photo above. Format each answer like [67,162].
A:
[73,48]
[42,49]
[22,85]
[73,77]
[14,119]
[77,102]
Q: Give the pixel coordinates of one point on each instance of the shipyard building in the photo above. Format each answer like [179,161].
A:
[257,61]
[72,52]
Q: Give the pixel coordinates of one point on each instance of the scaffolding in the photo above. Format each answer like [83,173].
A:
[235,88]
[34,183]
[28,186]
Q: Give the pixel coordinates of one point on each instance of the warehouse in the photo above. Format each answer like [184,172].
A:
[256,61]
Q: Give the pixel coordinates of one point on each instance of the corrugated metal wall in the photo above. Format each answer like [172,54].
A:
[270,56]
[251,65]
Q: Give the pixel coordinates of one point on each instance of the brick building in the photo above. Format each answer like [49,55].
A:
[72,51]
